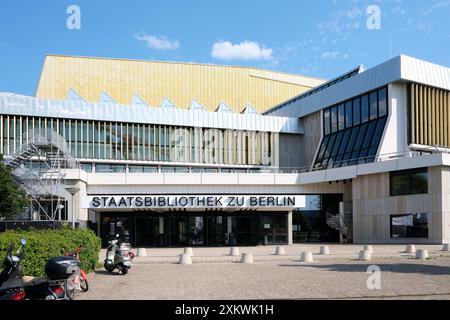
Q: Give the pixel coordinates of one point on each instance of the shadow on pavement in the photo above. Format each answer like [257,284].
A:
[107,273]
[397,268]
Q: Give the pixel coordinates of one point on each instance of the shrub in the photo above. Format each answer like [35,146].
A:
[44,244]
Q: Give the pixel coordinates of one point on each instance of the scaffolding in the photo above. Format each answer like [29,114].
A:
[37,165]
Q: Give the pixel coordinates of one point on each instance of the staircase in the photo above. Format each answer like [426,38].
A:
[37,166]
[340,221]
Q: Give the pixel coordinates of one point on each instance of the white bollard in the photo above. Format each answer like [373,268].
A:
[247,258]
[307,257]
[189,251]
[365,255]
[324,250]
[368,248]
[445,247]
[185,258]
[279,251]
[422,254]
[141,252]
[410,248]
[234,251]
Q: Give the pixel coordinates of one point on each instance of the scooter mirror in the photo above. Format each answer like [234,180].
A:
[23,242]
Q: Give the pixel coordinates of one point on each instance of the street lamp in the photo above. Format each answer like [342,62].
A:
[73,191]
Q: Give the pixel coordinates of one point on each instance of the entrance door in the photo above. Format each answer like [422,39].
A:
[177,230]
[111,224]
[246,230]
[195,231]
[150,231]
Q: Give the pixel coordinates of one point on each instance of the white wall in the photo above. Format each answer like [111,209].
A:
[395,136]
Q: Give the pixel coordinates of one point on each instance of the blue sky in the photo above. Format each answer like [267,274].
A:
[321,38]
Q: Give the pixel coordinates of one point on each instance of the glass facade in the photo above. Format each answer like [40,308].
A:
[99,140]
[196,228]
[309,224]
[352,131]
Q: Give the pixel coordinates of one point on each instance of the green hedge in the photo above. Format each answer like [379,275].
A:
[44,244]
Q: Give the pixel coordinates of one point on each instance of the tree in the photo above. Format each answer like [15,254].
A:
[13,200]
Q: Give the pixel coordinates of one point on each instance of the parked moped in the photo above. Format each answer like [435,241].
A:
[118,256]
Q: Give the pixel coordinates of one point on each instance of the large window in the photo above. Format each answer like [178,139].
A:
[353,131]
[148,142]
[409,226]
[409,182]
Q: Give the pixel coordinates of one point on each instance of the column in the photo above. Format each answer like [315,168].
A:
[289,228]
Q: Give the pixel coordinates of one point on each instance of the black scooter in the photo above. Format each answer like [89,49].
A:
[11,276]
[60,272]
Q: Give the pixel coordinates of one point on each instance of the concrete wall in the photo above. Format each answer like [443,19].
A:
[395,136]
[298,151]
[373,206]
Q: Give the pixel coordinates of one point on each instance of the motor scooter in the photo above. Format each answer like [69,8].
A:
[58,283]
[118,256]
[11,276]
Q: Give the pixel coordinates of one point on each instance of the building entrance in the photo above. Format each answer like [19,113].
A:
[195,229]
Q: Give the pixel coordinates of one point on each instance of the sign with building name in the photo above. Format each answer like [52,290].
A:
[194,202]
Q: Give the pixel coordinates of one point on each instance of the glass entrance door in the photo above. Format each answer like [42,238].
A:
[177,226]
[195,231]
[150,231]
[111,224]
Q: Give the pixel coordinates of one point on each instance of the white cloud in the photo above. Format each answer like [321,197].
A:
[434,5]
[157,42]
[334,55]
[247,50]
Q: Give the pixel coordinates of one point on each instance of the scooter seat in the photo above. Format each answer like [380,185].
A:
[29,281]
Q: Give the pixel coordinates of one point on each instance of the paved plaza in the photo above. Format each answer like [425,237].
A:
[215,275]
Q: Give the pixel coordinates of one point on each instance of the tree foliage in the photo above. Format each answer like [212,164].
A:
[13,200]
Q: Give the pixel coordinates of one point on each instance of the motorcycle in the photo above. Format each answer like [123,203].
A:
[118,256]
[11,276]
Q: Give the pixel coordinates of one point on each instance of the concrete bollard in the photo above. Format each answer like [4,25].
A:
[422,254]
[234,251]
[446,247]
[410,248]
[365,255]
[189,251]
[324,250]
[185,258]
[247,258]
[306,257]
[141,252]
[279,251]
[368,248]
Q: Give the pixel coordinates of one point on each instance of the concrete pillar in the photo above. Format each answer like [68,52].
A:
[189,251]
[306,257]
[289,228]
[185,258]
[247,258]
[279,251]
[365,255]
[422,254]
[234,251]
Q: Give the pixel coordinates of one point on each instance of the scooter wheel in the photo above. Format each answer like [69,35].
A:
[108,267]
[124,270]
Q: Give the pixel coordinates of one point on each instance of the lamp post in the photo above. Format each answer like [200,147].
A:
[73,191]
